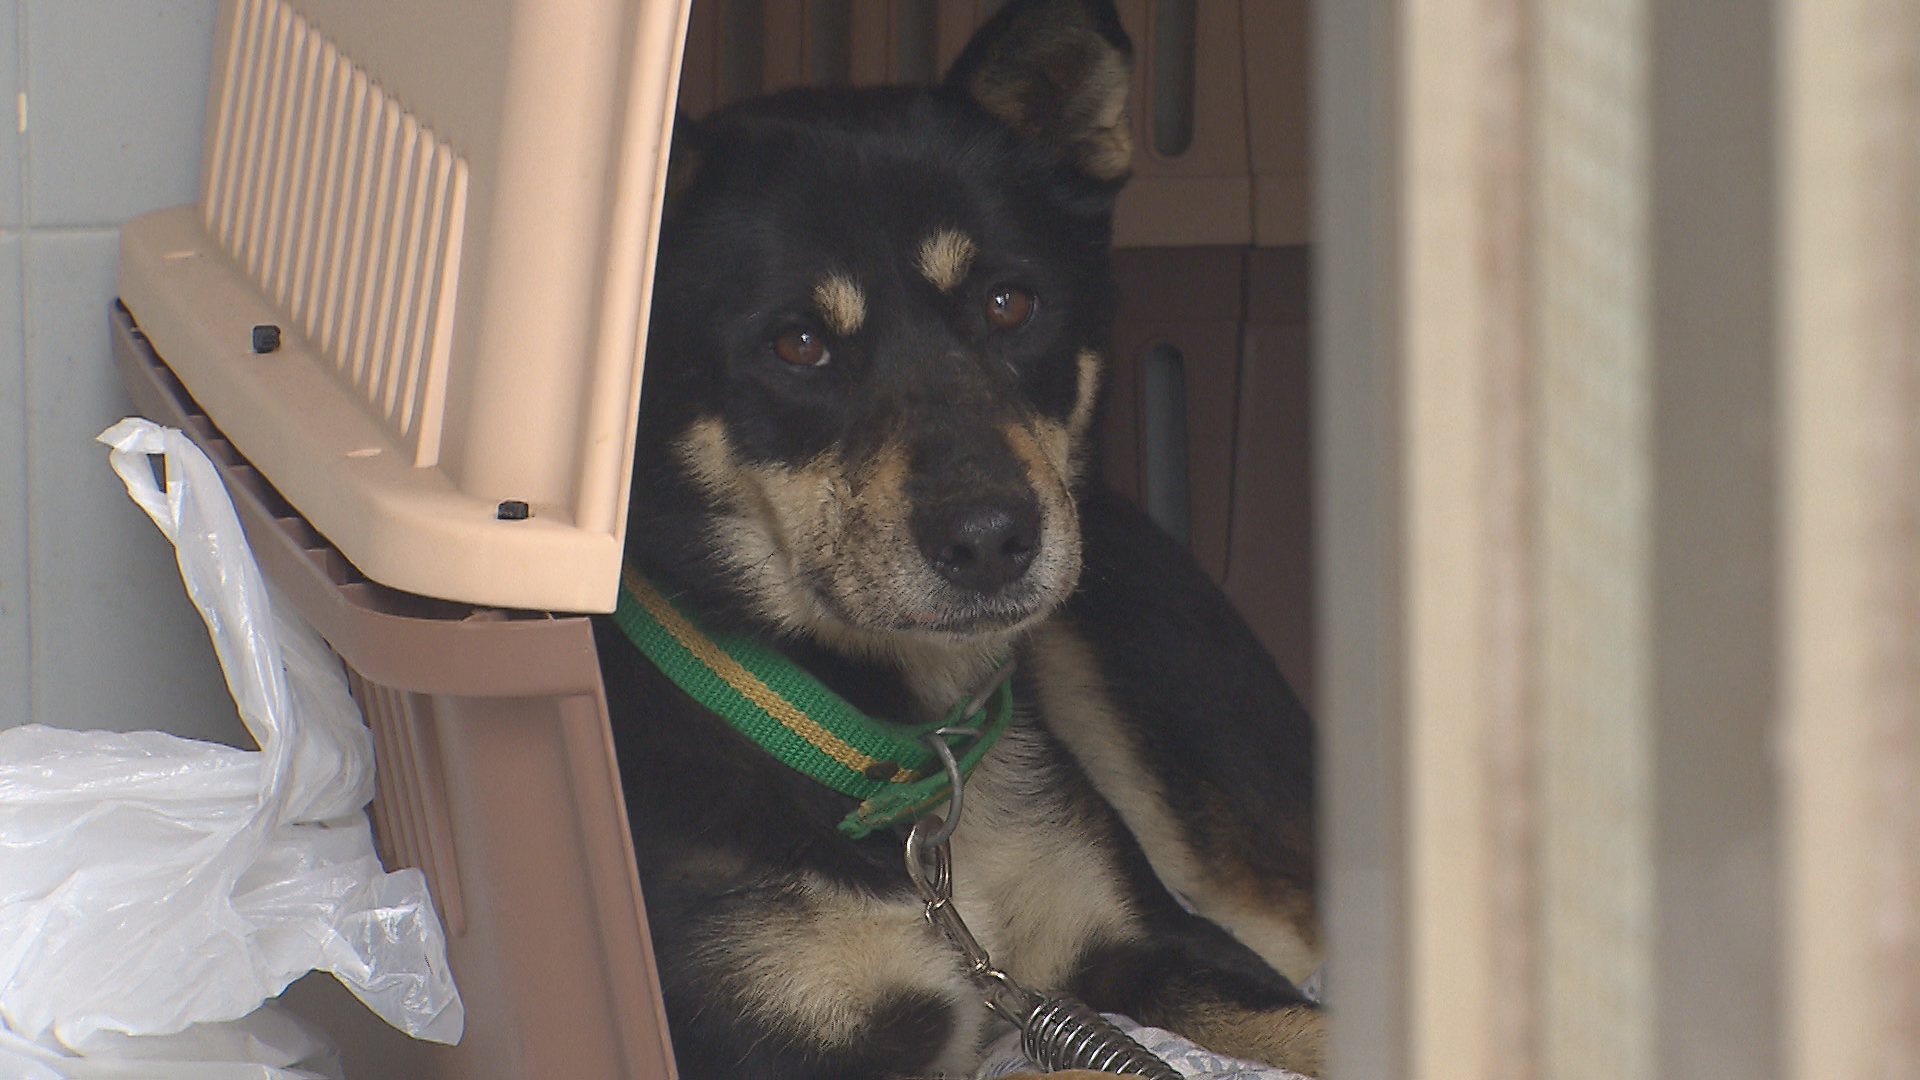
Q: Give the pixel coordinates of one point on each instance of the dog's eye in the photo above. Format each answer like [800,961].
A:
[1009,306]
[801,347]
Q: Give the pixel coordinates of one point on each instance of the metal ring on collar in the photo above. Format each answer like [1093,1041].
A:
[936,741]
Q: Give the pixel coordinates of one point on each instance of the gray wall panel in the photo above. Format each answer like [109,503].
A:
[95,629]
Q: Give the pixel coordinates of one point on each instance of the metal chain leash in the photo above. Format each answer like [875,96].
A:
[1056,1030]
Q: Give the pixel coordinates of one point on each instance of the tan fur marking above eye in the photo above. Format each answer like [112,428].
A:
[945,258]
[841,302]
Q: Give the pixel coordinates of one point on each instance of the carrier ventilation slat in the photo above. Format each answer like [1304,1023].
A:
[411,822]
[345,209]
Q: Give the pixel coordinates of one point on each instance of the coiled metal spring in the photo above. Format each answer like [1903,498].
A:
[1062,1033]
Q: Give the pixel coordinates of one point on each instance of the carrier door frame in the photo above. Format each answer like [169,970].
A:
[1620,541]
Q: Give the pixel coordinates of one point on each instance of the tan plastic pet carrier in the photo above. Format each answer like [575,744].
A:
[449,208]
[407,319]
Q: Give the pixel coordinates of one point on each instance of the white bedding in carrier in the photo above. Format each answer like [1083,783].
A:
[1005,1058]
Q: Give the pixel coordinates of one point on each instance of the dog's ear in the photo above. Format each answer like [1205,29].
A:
[1057,71]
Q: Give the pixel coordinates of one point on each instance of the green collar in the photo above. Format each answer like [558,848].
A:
[767,698]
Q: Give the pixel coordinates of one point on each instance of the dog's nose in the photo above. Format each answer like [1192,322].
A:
[980,546]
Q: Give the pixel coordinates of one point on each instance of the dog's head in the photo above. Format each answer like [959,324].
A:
[876,340]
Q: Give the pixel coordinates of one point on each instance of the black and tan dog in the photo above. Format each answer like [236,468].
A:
[874,365]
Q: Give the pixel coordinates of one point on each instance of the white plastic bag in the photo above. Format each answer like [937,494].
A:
[149,883]
[266,1044]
